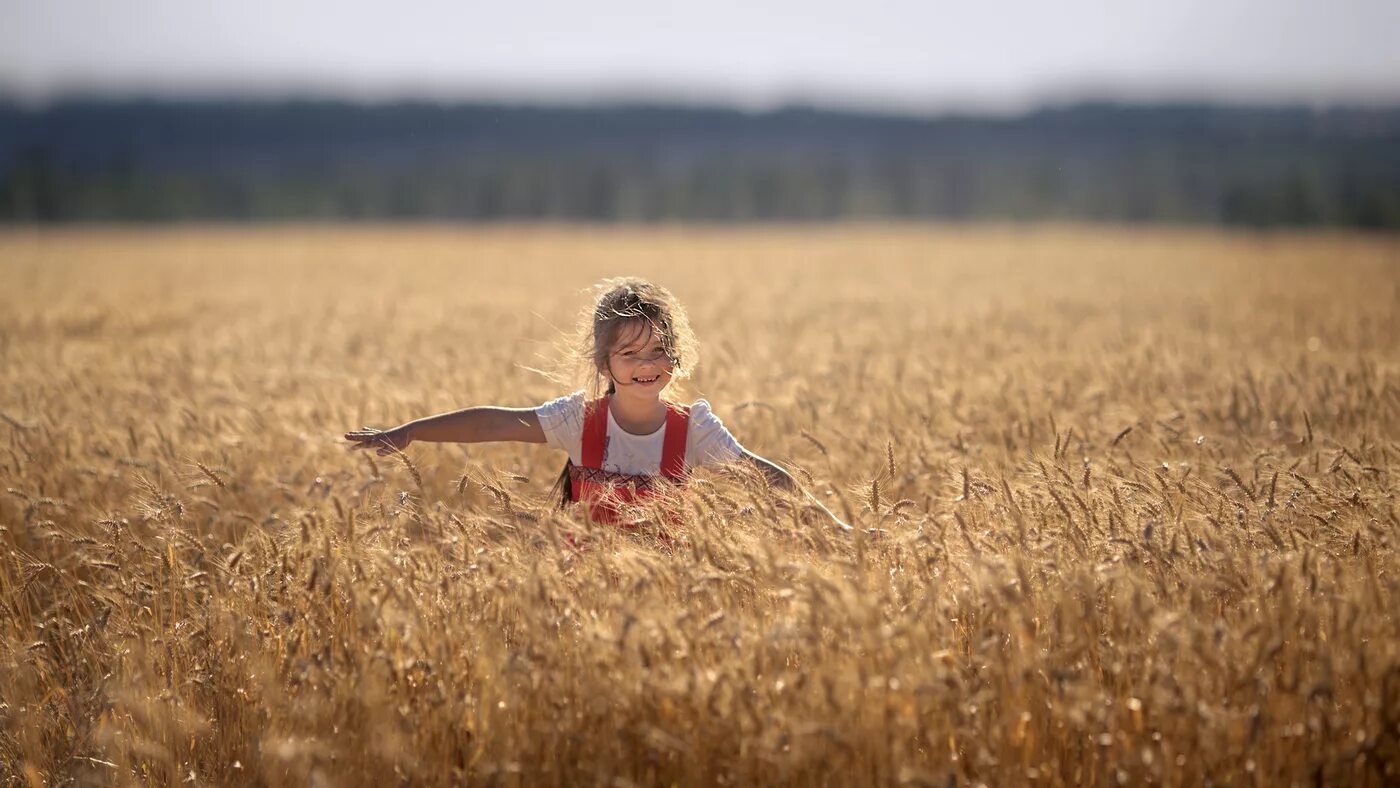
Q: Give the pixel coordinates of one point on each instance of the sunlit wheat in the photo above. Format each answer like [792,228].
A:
[1125,507]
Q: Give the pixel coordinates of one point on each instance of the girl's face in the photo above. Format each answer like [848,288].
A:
[638,363]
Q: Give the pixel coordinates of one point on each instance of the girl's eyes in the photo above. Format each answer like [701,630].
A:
[656,351]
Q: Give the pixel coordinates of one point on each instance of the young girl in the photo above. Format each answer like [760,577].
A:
[626,443]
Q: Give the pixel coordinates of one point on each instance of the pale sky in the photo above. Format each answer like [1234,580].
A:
[921,56]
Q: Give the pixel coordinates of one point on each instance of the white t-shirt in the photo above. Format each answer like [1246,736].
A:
[707,442]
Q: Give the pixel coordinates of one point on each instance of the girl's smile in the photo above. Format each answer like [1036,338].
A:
[645,376]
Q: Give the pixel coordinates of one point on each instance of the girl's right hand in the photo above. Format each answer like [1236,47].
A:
[384,442]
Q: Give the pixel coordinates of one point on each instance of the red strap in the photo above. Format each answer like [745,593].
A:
[595,432]
[673,444]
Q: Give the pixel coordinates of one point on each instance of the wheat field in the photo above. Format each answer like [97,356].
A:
[1134,496]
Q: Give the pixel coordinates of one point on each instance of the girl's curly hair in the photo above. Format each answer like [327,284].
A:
[622,310]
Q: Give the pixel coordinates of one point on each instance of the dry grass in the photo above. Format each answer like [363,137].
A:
[1139,491]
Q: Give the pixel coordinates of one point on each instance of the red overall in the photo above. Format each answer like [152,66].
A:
[607,493]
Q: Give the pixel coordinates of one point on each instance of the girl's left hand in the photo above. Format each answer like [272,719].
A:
[384,442]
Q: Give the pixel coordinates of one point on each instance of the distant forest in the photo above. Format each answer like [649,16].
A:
[151,161]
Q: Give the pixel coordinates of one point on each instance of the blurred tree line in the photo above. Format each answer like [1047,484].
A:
[170,161]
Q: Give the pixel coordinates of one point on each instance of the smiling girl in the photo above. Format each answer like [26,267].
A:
[625,439]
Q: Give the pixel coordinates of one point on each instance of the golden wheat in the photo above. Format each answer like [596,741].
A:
[1125,509]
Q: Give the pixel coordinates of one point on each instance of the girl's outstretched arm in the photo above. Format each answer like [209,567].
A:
[469,425]
[778,477]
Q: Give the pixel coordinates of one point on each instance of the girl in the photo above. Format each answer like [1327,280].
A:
[626,443]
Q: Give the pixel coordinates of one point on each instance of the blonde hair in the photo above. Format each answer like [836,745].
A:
[624,304]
